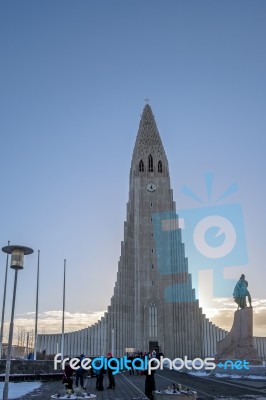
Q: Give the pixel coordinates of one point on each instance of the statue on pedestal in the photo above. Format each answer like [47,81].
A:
[241,293]
[238,343]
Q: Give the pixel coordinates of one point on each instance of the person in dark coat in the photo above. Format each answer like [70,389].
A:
[131,359]
[67,377]
[110,374]
[99,377]
[149,383]
[79,373]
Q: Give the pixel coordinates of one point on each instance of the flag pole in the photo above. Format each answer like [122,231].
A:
[3,307]
[37,306]
[63,316]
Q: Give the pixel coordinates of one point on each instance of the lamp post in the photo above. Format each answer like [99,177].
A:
[3,308]
[63,315]
[36,313]
[17,258]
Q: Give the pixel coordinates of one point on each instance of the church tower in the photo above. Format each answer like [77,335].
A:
[153,305]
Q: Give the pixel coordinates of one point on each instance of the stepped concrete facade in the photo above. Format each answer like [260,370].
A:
[154,304]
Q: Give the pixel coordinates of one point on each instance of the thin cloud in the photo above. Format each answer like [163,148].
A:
[221,313]
[51,322]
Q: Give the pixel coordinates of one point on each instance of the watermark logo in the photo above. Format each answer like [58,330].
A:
[138,364]
[214,237]
[113,363]
[148,364]
[237,364]
[178,364]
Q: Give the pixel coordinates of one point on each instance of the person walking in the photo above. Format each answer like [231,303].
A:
[131,359]
[79,373]
[110,374]
[99,376]
[67,377]
[149,383]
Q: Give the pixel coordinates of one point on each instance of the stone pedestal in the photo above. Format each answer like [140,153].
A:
[238,344]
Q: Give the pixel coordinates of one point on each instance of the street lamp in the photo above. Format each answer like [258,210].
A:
[3,307]
[17,259]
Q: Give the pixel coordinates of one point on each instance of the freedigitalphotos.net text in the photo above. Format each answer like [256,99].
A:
[139,364]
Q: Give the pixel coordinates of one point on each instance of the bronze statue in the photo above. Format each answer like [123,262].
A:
[241,292]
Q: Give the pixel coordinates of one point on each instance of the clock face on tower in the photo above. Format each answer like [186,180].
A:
[151,187]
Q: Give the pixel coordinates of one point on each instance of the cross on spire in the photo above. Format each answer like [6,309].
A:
[147,100]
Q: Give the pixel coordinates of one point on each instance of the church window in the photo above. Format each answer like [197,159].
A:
[153,320]
[160,166]
[151,204]
[152,250]
[152,266]
[141,166]
[150,159]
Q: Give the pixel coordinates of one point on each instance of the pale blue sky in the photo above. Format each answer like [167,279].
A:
[74,76]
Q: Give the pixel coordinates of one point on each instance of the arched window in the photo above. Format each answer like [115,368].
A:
[141,166]
[153,320]
[150,163]
[160,166]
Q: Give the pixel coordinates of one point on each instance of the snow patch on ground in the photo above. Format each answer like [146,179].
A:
[256,377]
[233,376]
[19,389]
[199,373]
[248,397]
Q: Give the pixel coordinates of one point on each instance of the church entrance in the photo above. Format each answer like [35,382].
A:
[153,346]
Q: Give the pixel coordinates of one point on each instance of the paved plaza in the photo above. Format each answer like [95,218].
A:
[129,387]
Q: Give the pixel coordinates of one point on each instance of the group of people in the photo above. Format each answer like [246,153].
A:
[100,375]
[240,294]
[79,379]
[149,377]
[149,381]
[68,375]
[131,357]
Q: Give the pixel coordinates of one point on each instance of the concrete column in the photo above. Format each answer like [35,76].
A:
[99,337]
[89,341]
[73,344]
[86,341]
[93,340]
[80,350]
[49,344]
[96,339]
[104,348]
[66,344]
[205,347]
[76,344]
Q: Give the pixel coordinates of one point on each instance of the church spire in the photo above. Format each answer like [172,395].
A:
[148,147]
